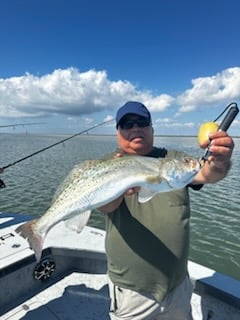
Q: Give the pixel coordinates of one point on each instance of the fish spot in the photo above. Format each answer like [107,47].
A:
[154,179]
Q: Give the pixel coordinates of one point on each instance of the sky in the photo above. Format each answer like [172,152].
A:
[67,65]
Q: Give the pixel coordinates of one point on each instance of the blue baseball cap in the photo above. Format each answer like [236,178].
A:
[132,107]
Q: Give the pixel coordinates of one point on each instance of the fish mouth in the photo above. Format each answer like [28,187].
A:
[194,164]
[197,166]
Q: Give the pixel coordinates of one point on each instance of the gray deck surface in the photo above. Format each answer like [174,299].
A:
[65,300]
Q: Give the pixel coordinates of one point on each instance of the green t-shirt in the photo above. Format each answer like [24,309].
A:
[147,244]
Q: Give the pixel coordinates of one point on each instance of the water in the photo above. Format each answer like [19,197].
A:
[215,228]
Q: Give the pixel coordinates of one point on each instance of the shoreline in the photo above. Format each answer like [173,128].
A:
[99,135]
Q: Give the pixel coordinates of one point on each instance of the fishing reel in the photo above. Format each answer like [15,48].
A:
[2,184]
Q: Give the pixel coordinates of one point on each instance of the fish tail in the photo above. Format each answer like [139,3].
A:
[35,240]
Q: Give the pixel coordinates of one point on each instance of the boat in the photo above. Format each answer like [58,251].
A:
[70,282]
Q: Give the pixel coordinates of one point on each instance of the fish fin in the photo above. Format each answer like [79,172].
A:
[78,222]
[35,240]
[145,195]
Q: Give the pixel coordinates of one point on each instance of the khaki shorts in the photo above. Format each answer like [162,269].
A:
[127,304]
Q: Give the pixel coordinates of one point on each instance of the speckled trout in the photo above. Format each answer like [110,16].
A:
[95,183]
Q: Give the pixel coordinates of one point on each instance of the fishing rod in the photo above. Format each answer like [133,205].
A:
[52,145]
[225,124]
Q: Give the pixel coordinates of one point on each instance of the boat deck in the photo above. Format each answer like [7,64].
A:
[85,296]
[70,282]
[76,296]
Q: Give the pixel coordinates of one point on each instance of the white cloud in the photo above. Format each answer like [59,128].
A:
[74,93]
[171,123]
[108,118]
[224,87]
[70,92]
[159,103]
[66,91]
[164,120]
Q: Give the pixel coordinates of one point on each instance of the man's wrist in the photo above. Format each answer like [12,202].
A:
[221,166]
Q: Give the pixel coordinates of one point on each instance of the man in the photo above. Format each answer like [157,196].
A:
[147,244]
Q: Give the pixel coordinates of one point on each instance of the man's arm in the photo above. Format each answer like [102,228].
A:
[218,163]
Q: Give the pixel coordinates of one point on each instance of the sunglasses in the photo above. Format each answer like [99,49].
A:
[128,124]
